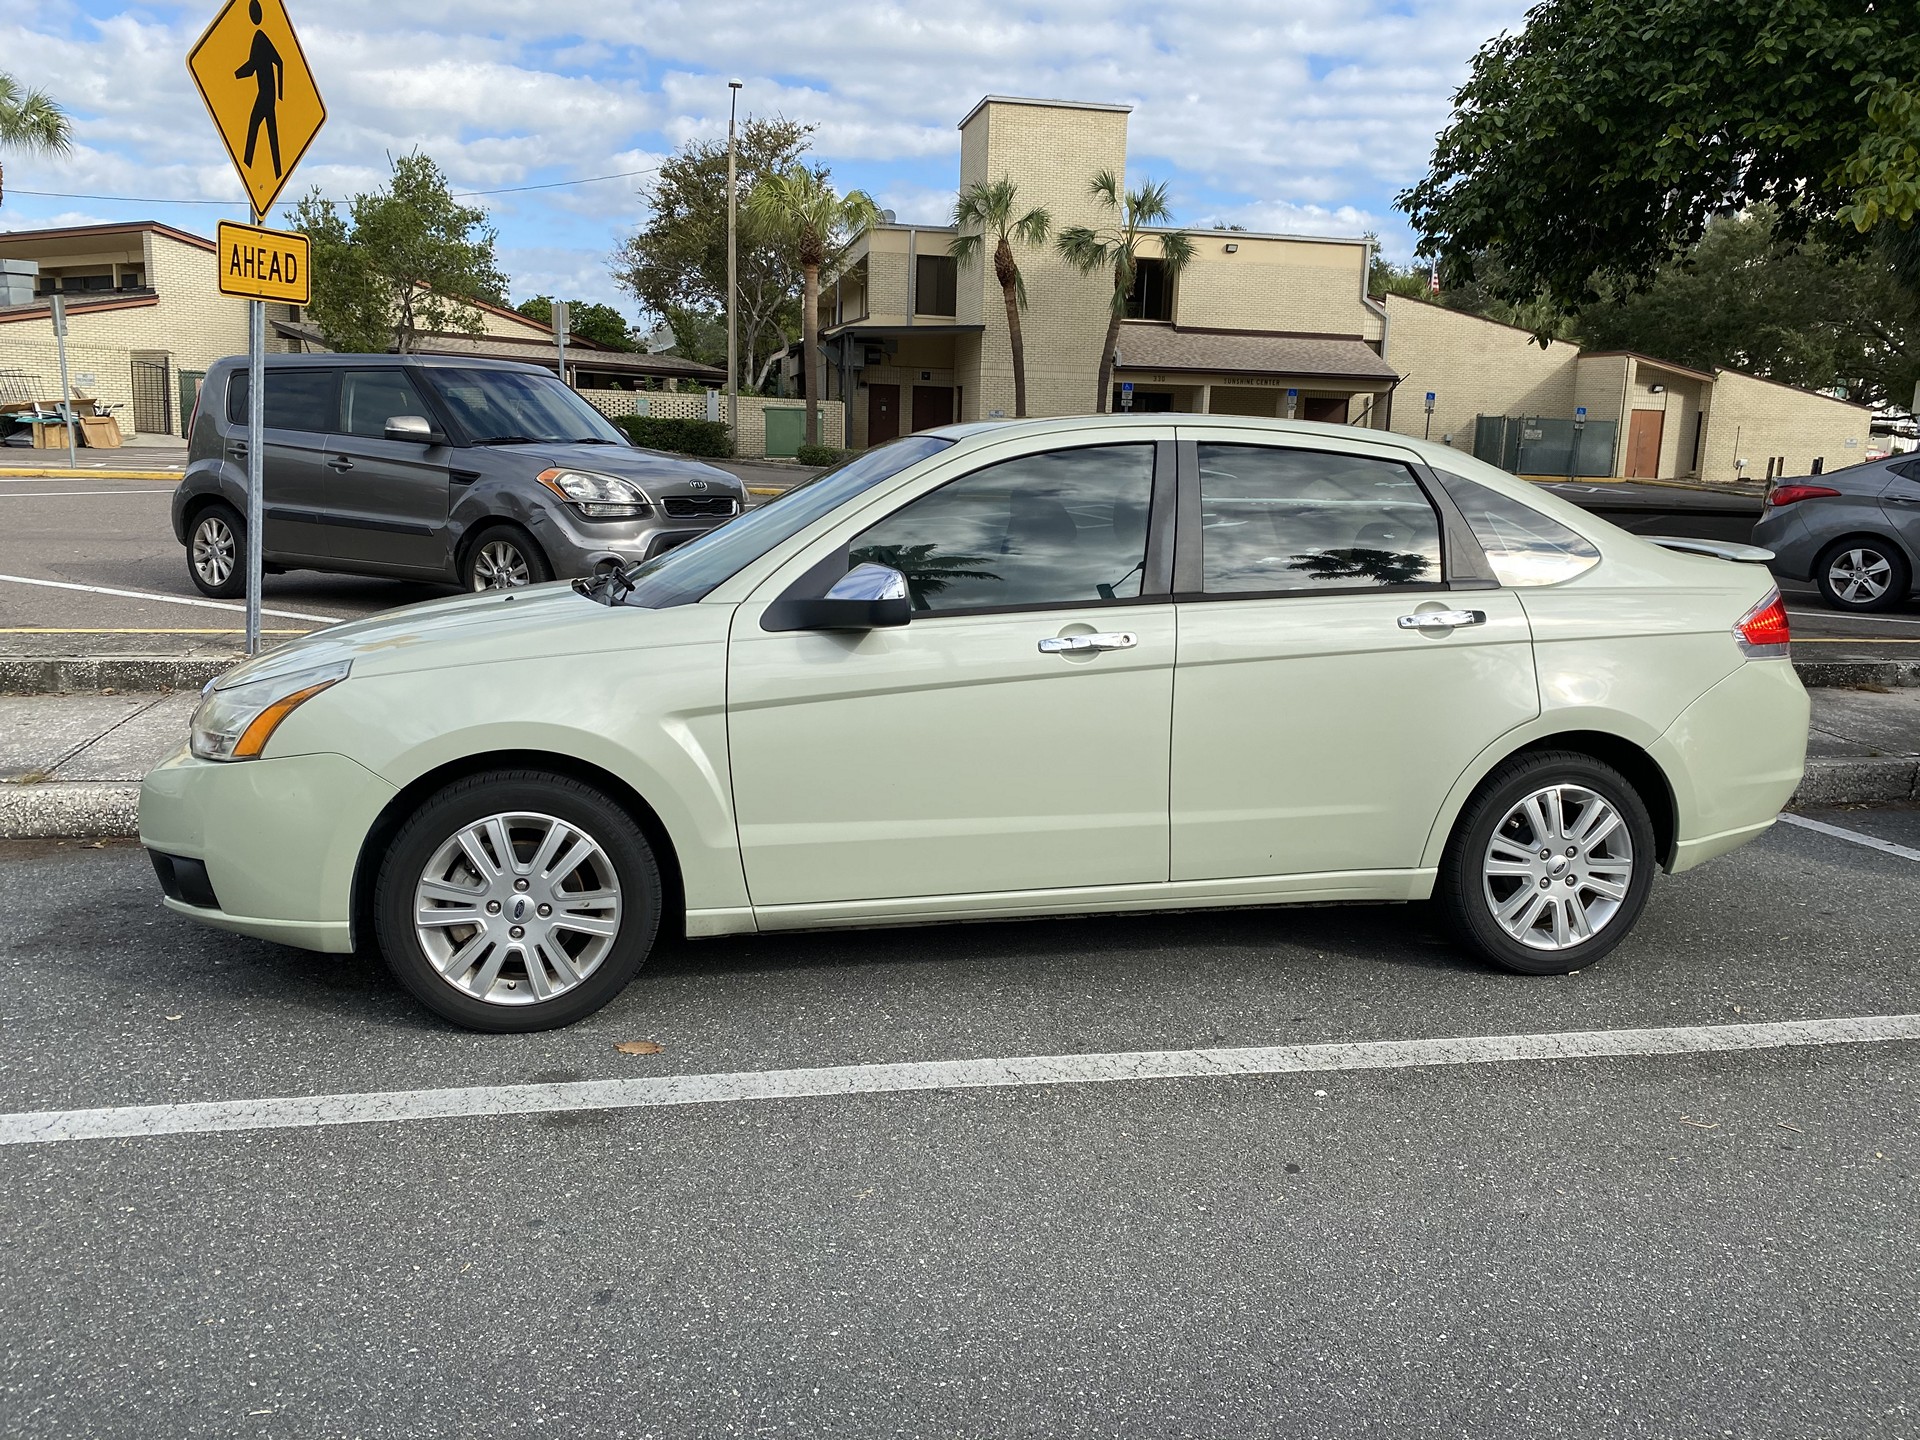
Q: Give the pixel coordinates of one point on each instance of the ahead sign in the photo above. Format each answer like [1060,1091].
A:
[251,73]
[261,264]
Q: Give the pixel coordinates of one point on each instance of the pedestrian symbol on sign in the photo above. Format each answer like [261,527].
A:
[269,73]
[249,69]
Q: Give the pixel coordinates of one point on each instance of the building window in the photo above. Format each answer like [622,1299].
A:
[935,285]
[1151,297]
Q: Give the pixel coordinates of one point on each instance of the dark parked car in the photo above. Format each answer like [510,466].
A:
[1854,533]
[483,473]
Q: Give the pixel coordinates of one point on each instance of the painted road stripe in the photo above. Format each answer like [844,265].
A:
[1872,842]
[1848,619]
[166,599]
[147,630]
[304,1112]
[64,494]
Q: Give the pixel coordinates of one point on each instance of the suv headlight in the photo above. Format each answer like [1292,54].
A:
[601,497]
[236,723]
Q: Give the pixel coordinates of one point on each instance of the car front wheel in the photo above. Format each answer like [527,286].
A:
[516,901]
[1549,865]
[1863,576]
[217,552]
[503,557]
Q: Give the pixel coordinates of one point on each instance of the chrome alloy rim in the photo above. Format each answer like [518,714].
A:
[500,566]
[213,550]
[1558,867]
[517,908]
[1860,577]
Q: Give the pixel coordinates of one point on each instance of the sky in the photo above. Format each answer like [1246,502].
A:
[1300,117]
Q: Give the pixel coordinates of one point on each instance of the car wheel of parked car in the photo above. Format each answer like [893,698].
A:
[217,552]
[1863,575]
[1549,865]
[517,900]
[504,557]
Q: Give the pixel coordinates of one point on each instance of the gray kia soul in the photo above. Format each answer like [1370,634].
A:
[483,473]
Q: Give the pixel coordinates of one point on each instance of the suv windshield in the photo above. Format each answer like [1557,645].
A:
[505,407]
[682,576]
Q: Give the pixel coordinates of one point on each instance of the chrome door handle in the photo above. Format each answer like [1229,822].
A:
[340,462]
[1442,619]
[1083,644]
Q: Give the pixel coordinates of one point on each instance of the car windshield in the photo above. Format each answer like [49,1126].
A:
[687,574]
[506,407]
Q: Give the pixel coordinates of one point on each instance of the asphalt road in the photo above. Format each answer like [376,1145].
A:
[1703,1245]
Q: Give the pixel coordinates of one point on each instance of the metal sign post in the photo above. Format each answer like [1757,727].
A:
[560,319]
[1430,399]
[1293,402]
[66,389]
[256,457]
[1579,433]
[1126,395]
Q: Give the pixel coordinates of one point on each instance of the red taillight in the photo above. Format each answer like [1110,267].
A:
[1787,494]
[1763,632]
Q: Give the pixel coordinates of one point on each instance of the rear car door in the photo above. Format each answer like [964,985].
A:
[298,413]
[388,498]
[1344,655]
[1901,502]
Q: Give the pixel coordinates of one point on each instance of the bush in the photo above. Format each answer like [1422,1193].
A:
[820,455]
[683,437]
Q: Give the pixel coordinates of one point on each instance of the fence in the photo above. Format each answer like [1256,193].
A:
[1535,445]
[752,441]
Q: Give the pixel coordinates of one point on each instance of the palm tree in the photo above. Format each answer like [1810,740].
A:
[985,208]
[1115,246]
[30,121]
[818,225]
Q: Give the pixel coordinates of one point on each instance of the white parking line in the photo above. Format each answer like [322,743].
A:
[63,494]
[167,599]
[1872,842]
[305,1112]
[1848,619]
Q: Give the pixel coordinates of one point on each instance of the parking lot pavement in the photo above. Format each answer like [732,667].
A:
[1646,1245]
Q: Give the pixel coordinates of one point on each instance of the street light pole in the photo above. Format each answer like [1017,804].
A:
[733,277]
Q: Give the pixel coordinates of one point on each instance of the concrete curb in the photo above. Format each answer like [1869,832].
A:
[61,472]
[92,674]
[1881,780]
[78,810]
[1837,674]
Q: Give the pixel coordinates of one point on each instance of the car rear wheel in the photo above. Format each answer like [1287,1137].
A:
[217,552]
[1549,865]
[1863,575]
[517,900]
[504,557]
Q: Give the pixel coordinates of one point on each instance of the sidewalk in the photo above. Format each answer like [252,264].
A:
[159,457]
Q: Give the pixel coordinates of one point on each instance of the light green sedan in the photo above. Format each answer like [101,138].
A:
[1027,668]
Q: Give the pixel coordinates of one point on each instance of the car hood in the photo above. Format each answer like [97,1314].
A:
[653,469]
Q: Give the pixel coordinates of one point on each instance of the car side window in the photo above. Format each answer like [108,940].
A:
[1523,546]
[369,398]
[1274,520]
[296,399]
[1066,527]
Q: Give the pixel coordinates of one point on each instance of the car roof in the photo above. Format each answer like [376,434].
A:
[432,362]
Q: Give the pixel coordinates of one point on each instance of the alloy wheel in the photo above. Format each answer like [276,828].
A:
[214,551]
[500,566]
[1558,867]
[517,908]
[1859,576]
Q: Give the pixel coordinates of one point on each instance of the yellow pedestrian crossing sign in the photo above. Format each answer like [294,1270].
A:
[250,71]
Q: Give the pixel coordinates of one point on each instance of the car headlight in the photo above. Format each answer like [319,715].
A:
[603,497]
[236,723]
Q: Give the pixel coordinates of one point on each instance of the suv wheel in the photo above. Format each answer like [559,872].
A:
[504,557]
[217,552]
[1863,575]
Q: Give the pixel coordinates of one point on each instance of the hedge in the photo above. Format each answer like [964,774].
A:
[820,455]
[683,437]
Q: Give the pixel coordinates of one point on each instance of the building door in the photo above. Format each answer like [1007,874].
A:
[152,398]
[883,413]
[932,406]
[1329,409]
[1643,444]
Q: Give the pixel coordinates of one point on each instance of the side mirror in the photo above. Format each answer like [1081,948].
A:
[867,597]
[413,430]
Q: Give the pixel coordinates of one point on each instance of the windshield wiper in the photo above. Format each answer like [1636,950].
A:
[606,587]
[512,440]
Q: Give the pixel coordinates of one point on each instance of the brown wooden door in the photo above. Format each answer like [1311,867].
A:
[883,413]
[1330,409]
[1643,444]
[932,406]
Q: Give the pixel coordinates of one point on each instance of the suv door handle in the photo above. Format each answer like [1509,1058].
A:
[1442,619]
[339,462]
[1082,644]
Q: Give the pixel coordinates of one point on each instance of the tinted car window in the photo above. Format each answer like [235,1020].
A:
[296,399]
[1523,546]
[1277,520]
[511,406]
[1061,528]
[1906,469]
[369,398]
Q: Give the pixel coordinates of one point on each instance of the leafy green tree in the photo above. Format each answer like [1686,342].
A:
[1114,247]
[1595,143]
[30,121]
[990,208]
[398,263]
[588,319]
[817,225]
[675,265]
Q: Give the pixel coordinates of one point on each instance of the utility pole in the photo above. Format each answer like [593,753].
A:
[733,276]
[561,320]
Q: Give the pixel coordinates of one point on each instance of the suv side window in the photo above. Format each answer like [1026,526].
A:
[296,399]
[1066,527]
[1276,520]
[369,398]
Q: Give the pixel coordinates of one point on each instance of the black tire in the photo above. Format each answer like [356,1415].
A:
[1868,554]
[1467,895]
[526,794]
[218,533]
[483,563]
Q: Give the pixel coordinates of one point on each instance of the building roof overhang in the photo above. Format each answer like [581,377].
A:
[1169,348]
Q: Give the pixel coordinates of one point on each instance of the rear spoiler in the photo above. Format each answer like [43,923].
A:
[1718,549]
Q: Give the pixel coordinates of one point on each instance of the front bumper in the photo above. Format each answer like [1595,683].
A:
[279,839]
[579,547]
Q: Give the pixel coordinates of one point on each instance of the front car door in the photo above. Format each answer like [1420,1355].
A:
[1318,728]
[298,412]
[968,752]
[388,498]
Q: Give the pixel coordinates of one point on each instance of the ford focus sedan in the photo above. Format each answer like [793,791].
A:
[999,670]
